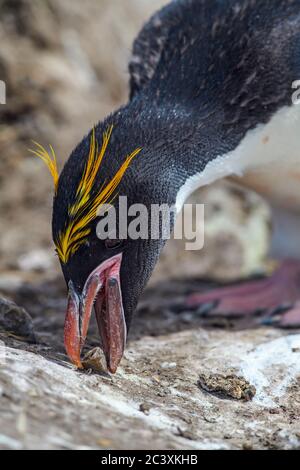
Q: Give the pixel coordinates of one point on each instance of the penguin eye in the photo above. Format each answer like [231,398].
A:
[110,244]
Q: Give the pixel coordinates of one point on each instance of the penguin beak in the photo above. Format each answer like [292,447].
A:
[103,291]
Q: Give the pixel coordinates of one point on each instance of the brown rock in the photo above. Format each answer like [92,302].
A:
[227,386]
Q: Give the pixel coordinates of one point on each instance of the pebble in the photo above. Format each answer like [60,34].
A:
[145,408]
[168,365]
[15,320]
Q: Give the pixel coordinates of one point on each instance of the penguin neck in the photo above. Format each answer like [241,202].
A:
[175,148]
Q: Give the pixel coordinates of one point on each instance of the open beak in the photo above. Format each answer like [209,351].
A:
[102,291]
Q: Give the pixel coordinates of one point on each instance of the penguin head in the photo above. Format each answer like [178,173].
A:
[102,269]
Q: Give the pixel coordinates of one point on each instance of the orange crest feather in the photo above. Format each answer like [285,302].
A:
[48,159]
[85,208]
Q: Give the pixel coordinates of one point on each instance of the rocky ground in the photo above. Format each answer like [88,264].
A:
[184,383]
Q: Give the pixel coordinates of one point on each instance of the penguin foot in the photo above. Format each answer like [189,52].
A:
[270,301]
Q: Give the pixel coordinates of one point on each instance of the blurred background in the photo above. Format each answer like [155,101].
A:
[65,67]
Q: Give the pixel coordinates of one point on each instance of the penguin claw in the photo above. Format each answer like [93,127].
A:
[201,310]
[274,316]
[205,309]
[267,321]
[289,318]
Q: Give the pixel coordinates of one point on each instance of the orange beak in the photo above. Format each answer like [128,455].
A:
[103,291]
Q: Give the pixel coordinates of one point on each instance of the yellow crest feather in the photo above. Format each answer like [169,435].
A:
[85,208]
[49,160]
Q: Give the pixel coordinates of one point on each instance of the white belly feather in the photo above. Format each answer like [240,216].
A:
[267,160]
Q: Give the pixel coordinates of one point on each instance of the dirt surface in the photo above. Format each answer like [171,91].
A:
[154,401]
